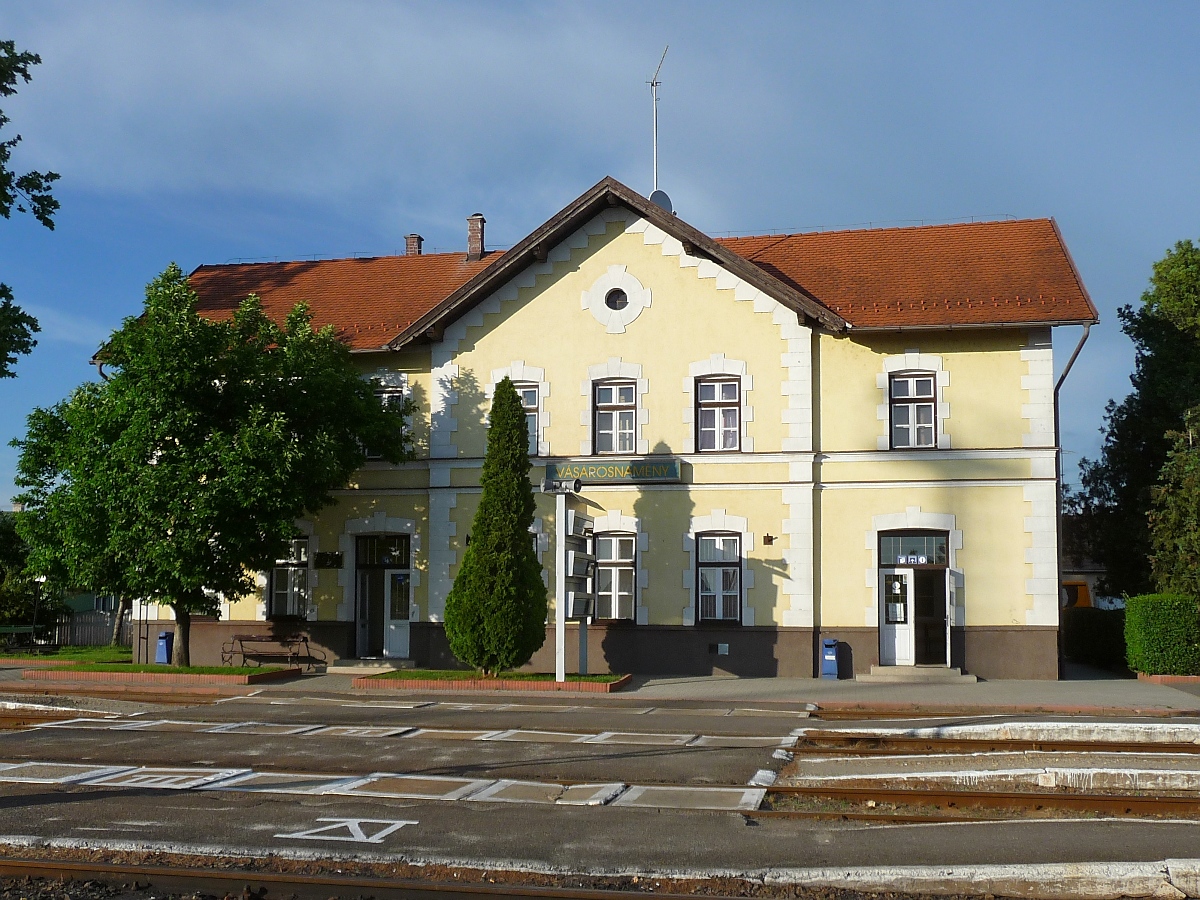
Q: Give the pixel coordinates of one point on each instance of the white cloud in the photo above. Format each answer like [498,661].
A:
[67,328]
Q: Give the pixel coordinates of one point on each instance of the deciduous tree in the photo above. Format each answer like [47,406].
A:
[182,474]
[26,193]
[1115,498]
[496,610]
[1175,515]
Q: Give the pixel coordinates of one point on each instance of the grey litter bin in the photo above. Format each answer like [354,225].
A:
[829,658]
[166,643]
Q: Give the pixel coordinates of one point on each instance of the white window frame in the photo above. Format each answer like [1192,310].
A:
[912,361]
[522,375]
[532,412]
[387,394]
[913,406]
[617,565]
[718,405]
[722,610]
[617,409]
[290,579]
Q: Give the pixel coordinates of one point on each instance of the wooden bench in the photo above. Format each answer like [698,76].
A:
[290,649]
[10,636]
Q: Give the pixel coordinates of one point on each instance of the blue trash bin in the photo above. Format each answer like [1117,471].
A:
[829,658]
[166,643]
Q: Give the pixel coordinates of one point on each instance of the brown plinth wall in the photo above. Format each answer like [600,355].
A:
[653,650]
[990,652]
[326,640]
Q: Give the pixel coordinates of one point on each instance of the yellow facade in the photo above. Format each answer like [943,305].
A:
[815,480]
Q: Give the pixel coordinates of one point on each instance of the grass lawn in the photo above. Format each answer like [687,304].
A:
[103,654]
[171,670]
[472,675]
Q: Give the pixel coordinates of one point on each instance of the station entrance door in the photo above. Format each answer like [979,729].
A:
[383,594]
[914,599]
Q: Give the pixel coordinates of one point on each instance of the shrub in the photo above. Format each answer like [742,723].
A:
[1094,637]
[1162,634]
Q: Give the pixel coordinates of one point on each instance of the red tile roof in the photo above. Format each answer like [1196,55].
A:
[369,301]
[986,273]
[983,273]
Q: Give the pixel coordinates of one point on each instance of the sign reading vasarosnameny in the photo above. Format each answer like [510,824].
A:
[635,472]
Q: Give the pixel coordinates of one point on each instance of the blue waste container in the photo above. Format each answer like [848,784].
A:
[829,659]
[166,643]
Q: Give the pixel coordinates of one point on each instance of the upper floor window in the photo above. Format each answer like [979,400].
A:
[615,417]
[913,406]
[719,576]
[389,398]
[615,575]
[289,582]
[718,414]
[529,402]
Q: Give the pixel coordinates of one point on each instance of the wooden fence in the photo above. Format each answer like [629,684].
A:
[91,629]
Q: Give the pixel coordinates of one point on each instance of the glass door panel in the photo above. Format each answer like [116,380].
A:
[896,617]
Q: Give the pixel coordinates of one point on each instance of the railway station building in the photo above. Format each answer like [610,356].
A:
[781,439]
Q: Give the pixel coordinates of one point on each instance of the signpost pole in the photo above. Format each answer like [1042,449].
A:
[560,586]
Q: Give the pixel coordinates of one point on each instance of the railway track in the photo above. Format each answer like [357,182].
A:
[250,885]
[947,805]
[869,745]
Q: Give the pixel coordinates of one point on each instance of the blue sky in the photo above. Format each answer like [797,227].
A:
[207,132]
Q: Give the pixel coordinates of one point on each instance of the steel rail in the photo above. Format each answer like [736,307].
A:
[251,885]
[1113,804]
[867,714]
[872,745]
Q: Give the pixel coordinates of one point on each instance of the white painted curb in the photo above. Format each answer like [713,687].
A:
[1171,879]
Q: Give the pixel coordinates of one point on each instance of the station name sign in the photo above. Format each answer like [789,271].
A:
[636,472]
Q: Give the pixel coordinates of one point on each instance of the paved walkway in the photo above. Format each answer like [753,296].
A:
[1093,695]
[1091,692]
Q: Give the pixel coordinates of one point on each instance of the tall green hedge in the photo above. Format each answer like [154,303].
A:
[1162,634]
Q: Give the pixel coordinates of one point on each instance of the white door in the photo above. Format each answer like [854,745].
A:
[397,606]
[896,635]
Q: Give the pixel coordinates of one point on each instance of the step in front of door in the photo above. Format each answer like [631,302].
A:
[915,675]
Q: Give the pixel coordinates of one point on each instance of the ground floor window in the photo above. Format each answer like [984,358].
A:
[616,574]
[719,576]
[289,583]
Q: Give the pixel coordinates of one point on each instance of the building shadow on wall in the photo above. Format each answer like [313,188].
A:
[664,514]
[457,427]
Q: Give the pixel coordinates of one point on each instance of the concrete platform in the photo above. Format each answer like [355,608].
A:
[1095,693]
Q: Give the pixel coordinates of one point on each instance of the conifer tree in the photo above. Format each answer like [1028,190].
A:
[496,611]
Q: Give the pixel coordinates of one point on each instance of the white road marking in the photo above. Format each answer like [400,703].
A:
[352,830]
[413,787]
[55,773]
[162,778]
[763,778]
[368,731]
[660,797]
[260,728]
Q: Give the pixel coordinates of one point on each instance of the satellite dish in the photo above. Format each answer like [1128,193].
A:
[660,198]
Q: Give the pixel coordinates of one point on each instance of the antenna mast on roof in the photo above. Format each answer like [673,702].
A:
[654,83]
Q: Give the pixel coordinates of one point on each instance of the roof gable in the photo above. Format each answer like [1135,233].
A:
[605,193]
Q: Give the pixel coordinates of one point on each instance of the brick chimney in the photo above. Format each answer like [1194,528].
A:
[412,244]
[475,225]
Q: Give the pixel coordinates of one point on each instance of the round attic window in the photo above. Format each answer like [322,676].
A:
[616,299]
